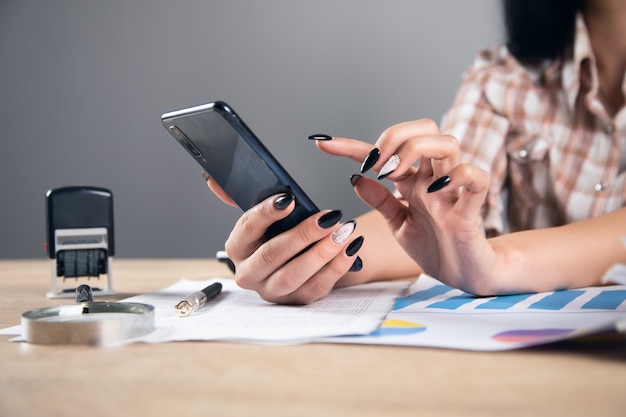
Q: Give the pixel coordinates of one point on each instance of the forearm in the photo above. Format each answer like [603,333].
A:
[574,255]
[383,258]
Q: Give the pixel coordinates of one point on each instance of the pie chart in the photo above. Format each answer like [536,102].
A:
[395,327]
[531,335]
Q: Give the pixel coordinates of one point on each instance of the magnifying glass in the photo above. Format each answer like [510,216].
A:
[87,322]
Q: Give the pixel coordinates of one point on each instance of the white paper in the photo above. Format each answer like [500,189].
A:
[436,315]
[615,275]
[429,314]
[241,315]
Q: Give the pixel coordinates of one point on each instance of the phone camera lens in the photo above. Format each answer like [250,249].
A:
[184,140]
[178,134]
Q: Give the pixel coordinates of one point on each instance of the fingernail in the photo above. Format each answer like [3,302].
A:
[320,136]
[438,184]
[370,160]
[355,178]
[389,166]
[283,201]
[340,235]
[354,246]
[357,265]
[205,175]
[330,219]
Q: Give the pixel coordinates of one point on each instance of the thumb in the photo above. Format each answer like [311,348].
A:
[378,197]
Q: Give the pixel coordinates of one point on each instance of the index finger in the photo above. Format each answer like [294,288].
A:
[219,191]
[349,148]
[249,231]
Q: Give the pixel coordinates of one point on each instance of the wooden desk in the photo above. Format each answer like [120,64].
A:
[579,378]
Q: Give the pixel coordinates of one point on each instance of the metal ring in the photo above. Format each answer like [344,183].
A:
[89,323]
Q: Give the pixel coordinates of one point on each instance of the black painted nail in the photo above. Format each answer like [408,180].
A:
[330,219]
[357,265]
[354,246]
[320,136]
[205,175]
[355,178]
[370,160]
[283,201]
[438,184]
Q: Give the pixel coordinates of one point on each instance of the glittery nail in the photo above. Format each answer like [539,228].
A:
[390,166]
[340,235]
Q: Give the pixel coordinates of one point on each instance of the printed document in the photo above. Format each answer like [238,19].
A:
[241,315]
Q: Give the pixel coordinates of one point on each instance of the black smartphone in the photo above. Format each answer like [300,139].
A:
[218,139]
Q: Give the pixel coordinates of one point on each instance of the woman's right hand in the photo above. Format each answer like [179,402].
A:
[438,223]
[276,268]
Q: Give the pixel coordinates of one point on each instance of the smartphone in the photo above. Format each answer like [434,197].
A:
[221,143]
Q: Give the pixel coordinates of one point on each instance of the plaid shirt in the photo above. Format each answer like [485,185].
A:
[556,155]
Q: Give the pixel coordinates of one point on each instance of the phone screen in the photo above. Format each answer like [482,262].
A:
[235,158]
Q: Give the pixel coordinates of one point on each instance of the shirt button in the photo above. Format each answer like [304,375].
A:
[609,128]
[523,154]
[599,187]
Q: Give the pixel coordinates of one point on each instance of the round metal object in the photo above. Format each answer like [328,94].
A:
[87,323]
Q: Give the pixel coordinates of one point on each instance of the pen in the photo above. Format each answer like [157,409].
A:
[196,300]
[223,257]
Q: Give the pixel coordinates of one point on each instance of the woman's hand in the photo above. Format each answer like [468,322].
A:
[440,227]
[276,268]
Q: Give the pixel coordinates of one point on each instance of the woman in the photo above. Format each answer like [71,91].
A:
[541,120]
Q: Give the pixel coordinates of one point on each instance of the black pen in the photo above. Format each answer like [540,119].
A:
[196,300]
[223,257]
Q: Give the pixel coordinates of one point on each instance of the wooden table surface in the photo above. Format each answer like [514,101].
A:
[586,377]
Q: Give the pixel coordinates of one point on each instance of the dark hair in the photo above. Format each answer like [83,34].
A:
[540,29]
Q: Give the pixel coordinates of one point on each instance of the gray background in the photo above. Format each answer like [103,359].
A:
[83,85]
